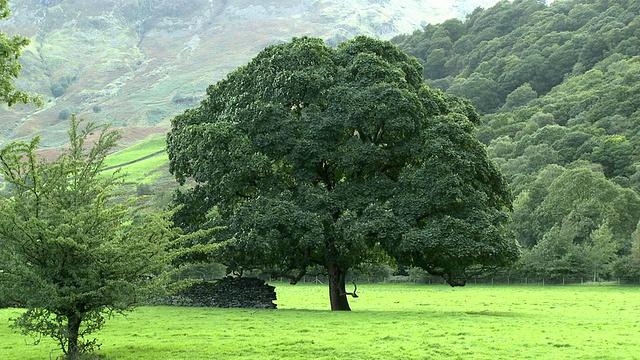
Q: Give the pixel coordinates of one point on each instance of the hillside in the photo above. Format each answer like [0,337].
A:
[563,76]
[137,63]
[559,90]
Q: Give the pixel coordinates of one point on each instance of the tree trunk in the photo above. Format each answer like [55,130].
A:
[73,328]
[337,290]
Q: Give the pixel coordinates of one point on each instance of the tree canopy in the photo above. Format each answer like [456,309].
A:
[10,47]
[557,86]
[69,253]
[336,157]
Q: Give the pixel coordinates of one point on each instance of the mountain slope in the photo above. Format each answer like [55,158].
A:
[559,89]
[137,63]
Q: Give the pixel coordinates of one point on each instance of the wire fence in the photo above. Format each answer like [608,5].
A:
[436,280]
[484,280]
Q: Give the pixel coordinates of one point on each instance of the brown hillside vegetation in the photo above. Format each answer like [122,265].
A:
[137,63]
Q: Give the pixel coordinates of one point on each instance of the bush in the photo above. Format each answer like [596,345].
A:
[204,271]
[144,189]
[382,271]
[64,114]
[57,90]
[418,275]
[61,85]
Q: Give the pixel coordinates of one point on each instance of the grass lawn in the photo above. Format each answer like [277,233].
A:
[136,163]
[137,151]
[388,321]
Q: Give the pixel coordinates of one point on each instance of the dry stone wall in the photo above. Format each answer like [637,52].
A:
[230,292]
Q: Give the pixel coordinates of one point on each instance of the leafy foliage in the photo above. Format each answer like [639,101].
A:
[69,253]
[337,157]
[558,86]
[10,48]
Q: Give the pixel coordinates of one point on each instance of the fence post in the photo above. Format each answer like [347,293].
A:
[542,281]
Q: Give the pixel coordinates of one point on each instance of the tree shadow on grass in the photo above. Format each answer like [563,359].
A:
[408,313]
[495,313]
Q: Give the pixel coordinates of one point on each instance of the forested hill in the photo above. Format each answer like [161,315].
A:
[559,89]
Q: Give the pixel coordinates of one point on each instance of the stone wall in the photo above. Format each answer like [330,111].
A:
[230,292]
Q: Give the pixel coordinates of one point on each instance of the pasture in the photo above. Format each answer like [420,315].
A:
[141,163]
[388,321]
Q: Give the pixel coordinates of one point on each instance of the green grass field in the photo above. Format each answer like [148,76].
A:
[387,322]
[136,163]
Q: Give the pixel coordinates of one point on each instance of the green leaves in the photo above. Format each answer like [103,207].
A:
[582,222]
[69,252]
[320,156]
[10,48]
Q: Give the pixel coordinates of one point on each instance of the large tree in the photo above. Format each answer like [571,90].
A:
[70,252]
[334,157]
[10,48]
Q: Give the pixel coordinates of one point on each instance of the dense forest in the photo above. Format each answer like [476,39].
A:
[558,87]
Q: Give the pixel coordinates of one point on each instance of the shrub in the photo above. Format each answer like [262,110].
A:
[64,114]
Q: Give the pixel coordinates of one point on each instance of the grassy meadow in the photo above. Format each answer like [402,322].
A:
[388,321]
[142,163]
